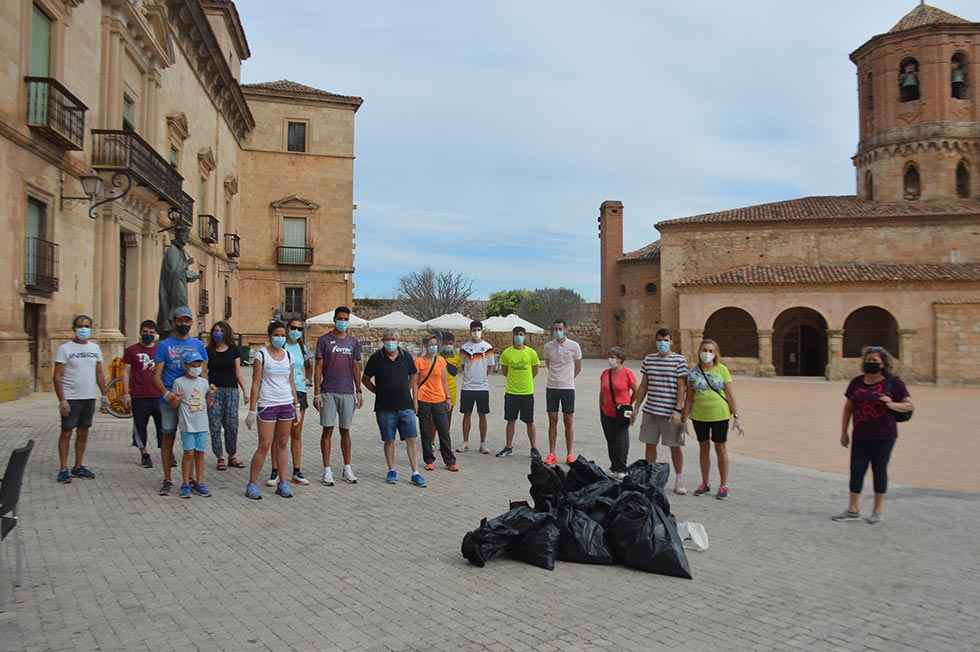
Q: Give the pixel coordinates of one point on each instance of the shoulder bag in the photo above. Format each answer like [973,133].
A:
[900,417]
[624,411]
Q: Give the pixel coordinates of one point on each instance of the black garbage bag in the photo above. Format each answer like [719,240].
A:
[642,535]
[582,539]
[539,546]
[547,485]
[643,474]
[582,473]
[494,535]
[596,499]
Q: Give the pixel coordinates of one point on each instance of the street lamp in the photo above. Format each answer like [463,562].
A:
[95,192]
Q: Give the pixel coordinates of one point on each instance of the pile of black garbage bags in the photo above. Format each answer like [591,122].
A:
[585,516]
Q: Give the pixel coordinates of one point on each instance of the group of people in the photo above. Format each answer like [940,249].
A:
[182,385]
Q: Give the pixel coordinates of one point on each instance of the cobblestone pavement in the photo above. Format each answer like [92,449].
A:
[112,566]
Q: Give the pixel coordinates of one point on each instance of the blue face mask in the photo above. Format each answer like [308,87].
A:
[341,325]
[391,346]
[663,346]
[218,336]
[558,334]
[433,349]
[519,340]
[278,341]
[147,339]
[448,350]
[83,332]
[294,334]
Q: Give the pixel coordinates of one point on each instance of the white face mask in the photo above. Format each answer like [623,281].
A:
[707,357]
[613,362]
[195,371]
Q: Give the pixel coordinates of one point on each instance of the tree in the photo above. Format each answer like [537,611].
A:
[543,306]
[428,294]
[504,302]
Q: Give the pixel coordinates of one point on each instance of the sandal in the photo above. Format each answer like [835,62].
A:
[221,464]
[236,463]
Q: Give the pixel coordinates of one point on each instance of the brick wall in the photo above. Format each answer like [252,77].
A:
[958,343]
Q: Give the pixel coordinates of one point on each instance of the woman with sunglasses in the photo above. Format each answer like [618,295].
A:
[302,363]
[873,400]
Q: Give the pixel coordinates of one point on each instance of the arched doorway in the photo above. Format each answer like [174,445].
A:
[735,331]
[799,343]
[869,326]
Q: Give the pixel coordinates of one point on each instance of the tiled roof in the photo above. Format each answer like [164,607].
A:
[843,273]
[649,252]
[287,86]
[841,208]
[926,15]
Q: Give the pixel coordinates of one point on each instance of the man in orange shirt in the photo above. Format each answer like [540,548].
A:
[434,405]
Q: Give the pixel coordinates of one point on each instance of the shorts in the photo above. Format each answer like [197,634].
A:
[303,405]
[194,441]
[401,422]
[519,406]
[563,397]
[479,397]
[271,413]
[655,429]
[168,418]
[717,431]
[80,413]
[337,409]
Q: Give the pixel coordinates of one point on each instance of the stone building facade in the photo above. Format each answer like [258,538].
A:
[143,94]
[798,287]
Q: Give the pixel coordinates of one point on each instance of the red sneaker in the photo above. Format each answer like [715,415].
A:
[453,467]
[571,458]
[551,460]
[430,467]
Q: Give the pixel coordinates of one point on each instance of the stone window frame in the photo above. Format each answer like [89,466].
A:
[304,297]
[911,166]
[285,207]
[967,188]
[285,135]
[651,289]
[51,218]
[918,71]
[869,185]
[59,11]
[964,59]
[177,133]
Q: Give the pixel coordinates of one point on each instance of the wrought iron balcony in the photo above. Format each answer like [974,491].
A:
[41,266]
[55,113]
[124,151]
[207,228]
[233,245]
[203,302]
[227,307]
[294,255]
[185,203]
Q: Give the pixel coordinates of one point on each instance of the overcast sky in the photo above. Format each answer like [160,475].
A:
[492,130]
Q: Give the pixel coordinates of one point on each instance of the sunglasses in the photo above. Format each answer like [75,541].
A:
[296,328]
[875,349]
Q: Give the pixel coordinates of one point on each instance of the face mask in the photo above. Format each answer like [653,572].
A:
[558,334]
[195,371]
[218,336]
[182,329]
[147,339]
[448,350]
[663,346]
[518,340]
[707,357]
[341,325]
[391,346]
[476,335]
[83,332]
[871,367]
[613,362]
[294,334]
[278,341]
[433,349]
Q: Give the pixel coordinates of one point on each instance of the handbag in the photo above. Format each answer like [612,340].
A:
[719,393]
[624,411]
[900,417]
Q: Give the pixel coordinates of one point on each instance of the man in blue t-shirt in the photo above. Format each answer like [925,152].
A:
[169,360]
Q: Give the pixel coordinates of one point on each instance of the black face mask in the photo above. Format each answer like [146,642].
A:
[871,367]
[183,329]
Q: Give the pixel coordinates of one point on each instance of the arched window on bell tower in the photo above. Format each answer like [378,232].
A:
[957,76]
[869,186]
[908,80]
[963,189]
[911,182]
[869,92]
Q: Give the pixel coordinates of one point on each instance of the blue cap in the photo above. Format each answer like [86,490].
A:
[192,356]
[183,311]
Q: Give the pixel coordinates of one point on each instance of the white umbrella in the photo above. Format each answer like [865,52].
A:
[327,318]
[397,320]
[508,323]
[450,322]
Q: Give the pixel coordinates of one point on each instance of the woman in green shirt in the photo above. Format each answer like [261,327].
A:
[711,405]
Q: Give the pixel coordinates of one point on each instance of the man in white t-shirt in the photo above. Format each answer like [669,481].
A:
[78,381]
[476,361]
[564,359]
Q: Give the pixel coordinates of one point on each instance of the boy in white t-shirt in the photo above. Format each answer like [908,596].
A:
[476,361]
[78,381]
[191,397]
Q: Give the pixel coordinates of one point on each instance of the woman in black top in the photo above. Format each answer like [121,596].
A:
[225,374]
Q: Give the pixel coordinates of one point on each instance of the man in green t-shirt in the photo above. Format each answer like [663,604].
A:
[519,364]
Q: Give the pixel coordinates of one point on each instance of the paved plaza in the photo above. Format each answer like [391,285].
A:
[112,566]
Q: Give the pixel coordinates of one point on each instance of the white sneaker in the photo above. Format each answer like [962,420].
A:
[327,479]
[299,478]
[484,448]
[679,489]
[348,475]
[464,448]
[273,480]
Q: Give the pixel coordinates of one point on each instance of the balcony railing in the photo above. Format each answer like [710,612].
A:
[41,266]
[186,205]
[55,113]
[294,255]
[203,302]
[227,307]
[124,151]
[207,227]
[233,245]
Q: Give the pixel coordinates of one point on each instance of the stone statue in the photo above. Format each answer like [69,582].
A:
[175,274]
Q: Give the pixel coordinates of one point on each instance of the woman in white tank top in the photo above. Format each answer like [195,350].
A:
[274,393]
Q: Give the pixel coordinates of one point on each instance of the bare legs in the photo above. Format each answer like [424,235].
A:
[532,434]
[467,420]
[326,444]
[411,446]
[721,452]
[569,423]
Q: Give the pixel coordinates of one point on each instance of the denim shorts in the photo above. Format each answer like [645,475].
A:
[194,441]
[168,418]
[401,422]
[277,413]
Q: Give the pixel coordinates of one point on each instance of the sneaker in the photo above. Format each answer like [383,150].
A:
[348,475]
[327,479]
[551,460]
[273,479]
[299,478]
[186,490]
[702,489]
[619,475]
[82,472]
[722,492]
[484,449]
[874,518]
[506,451]
[166,487]
[418,480]
[571,458]
[64,477]
[252,491]
[146,461]
[201,489]
[464,448]
[283,490]
[846,515]
[429,466]
[680,489]
[392,477]
[453,467]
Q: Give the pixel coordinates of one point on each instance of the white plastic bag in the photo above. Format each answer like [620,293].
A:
[694,536]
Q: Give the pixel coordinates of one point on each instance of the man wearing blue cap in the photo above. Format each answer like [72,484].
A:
[170,366]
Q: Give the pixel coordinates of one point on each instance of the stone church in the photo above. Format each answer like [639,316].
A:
[797,287]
